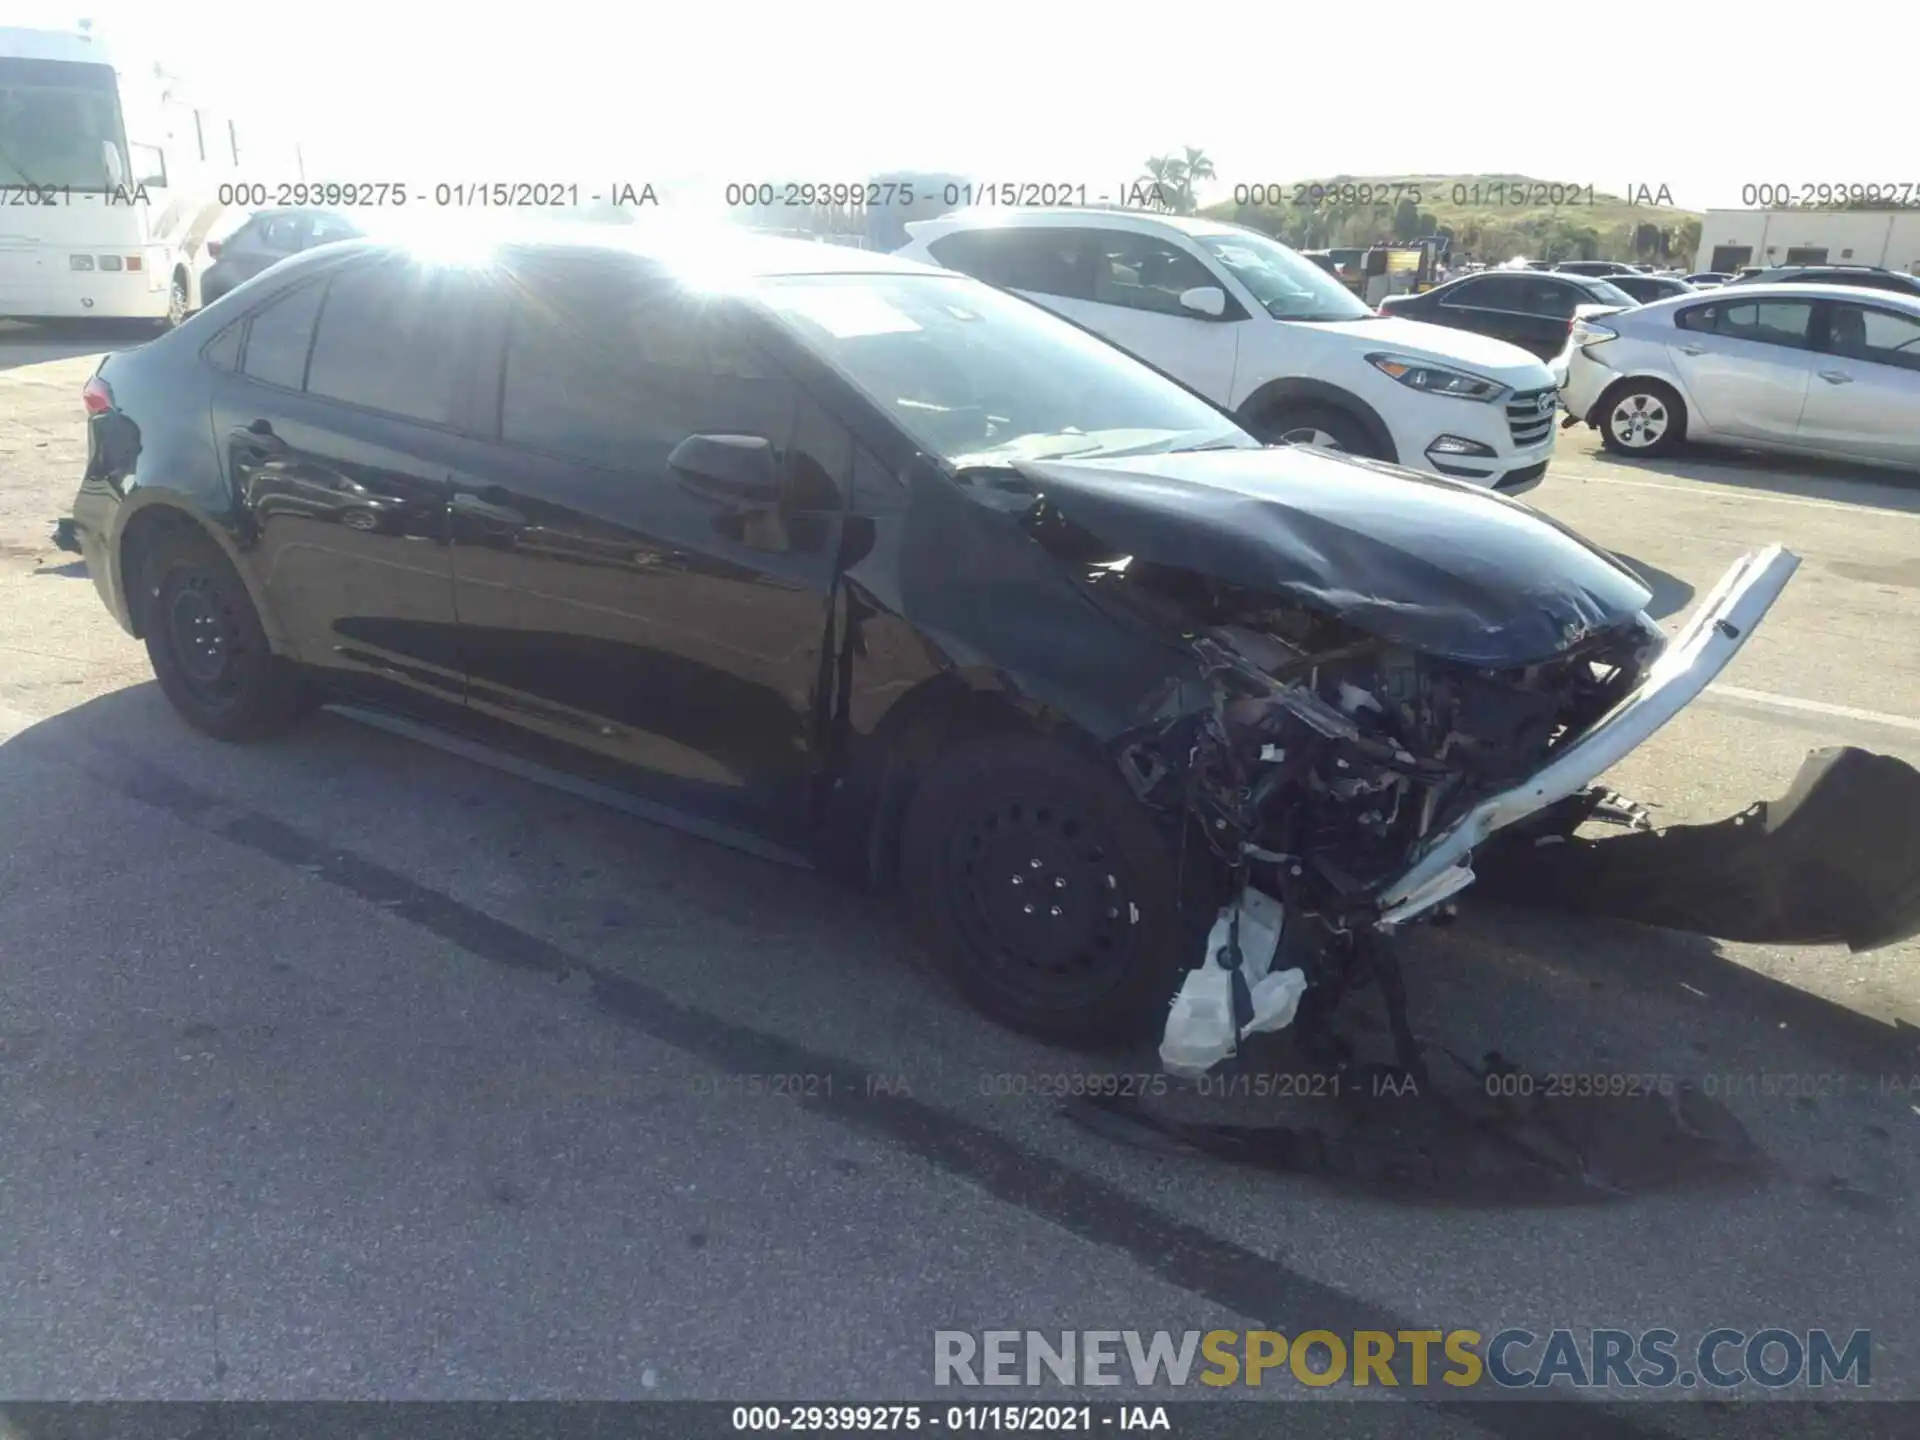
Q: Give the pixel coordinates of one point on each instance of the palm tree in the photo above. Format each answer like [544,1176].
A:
[1168,177]
[1197,166]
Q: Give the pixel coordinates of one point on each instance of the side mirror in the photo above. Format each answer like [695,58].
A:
[733,467]
[1205,300]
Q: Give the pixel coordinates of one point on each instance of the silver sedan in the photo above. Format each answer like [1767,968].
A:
[1819,370]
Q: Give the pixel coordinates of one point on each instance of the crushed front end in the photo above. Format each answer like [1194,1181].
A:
[1343,781]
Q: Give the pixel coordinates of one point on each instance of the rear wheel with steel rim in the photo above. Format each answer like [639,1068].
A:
[207,646]
[1044,889]
[1641,417]
[177,299]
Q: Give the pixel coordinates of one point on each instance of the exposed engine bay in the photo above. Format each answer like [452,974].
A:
[1330,754]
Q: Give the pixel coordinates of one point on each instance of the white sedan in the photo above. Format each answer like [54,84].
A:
[1820,370]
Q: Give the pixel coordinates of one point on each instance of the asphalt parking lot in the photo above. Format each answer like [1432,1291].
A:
[345,1067]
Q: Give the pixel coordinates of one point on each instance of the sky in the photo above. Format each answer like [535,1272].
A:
[1695,97]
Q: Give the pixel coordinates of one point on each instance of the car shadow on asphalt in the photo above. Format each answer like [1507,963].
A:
[1795,476]
[1671,594]
[1572,1061]
[24,343]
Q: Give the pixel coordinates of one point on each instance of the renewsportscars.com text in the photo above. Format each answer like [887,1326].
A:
[1511,1359]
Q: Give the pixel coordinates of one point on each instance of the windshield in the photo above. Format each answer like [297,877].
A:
[1605,292]
[977,376]
[1291,286]
[60,125]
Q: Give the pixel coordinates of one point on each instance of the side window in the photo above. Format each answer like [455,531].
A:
[1698,317]
[328,228]
[1551,298]
[1493,292]
[279,336]
[392,338]
[223,351]
[1144,273]
[1045,261]
[1767,322]
[615,372]
[282,234]
[1881,336]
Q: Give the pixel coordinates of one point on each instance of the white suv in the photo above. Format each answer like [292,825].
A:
[1266,333]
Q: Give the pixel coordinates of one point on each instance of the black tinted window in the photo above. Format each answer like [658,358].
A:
[1490,292]
[224,349]
[1882,336]
[1553,299]
[328,228]
[616,372]
[392,338]
[1144,273]
[283,233]
[1045,261]
[278,337]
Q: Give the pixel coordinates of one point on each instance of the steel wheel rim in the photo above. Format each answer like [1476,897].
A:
[1639,420]
[176,303]
[204,639]
[1042,900]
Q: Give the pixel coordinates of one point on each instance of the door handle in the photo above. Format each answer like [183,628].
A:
[258,436]
[1693,349]
[1836,377]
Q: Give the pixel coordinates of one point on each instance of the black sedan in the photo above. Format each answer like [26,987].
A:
[1527,308]
[267,238]
[878,567]
[1647,288]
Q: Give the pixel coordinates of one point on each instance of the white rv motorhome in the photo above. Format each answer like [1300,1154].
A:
[110,181]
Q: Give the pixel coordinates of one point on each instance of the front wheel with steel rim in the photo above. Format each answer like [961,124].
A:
[208,649]
[1044,890]
[1641,417]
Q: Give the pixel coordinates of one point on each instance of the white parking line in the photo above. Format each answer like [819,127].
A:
[1743,495]
[1814,707]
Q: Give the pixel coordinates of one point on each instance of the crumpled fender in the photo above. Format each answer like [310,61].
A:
[1834,860]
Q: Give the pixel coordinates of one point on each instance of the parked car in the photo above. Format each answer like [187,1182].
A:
[1533,311]
[819,551]
[1264,332]
[1596,267]
[1824,370]
[1704,279]
[267,238]
[1645,288]
[1872,277]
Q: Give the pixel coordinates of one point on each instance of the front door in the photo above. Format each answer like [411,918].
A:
[613,605]
[1864,397]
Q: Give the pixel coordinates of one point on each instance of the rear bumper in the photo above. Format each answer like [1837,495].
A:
[1692,659]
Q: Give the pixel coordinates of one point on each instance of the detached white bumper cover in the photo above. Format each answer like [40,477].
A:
[1711,638]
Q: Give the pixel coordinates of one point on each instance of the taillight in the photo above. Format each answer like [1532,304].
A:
[213,249]
[96,397]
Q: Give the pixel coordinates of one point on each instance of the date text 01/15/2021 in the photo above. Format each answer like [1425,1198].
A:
[462,194]
[959,1419]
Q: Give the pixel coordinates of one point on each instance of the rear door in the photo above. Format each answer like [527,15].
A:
[1746,363]
[1864,398]
[613,606]
[1487,305]
[340,428]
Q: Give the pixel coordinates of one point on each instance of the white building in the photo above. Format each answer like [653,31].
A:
[1887,238]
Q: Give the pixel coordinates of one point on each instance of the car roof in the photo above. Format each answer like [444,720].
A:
[994,217]
[1799,290]
[717,250]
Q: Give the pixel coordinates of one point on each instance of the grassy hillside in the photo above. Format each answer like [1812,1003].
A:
[1491,217]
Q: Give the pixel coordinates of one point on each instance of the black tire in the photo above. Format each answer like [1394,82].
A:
[177,301]
[1660,426]
[1005,832]
[1296,424]
[208,649]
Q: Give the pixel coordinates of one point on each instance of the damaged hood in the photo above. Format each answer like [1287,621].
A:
[1444,568]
